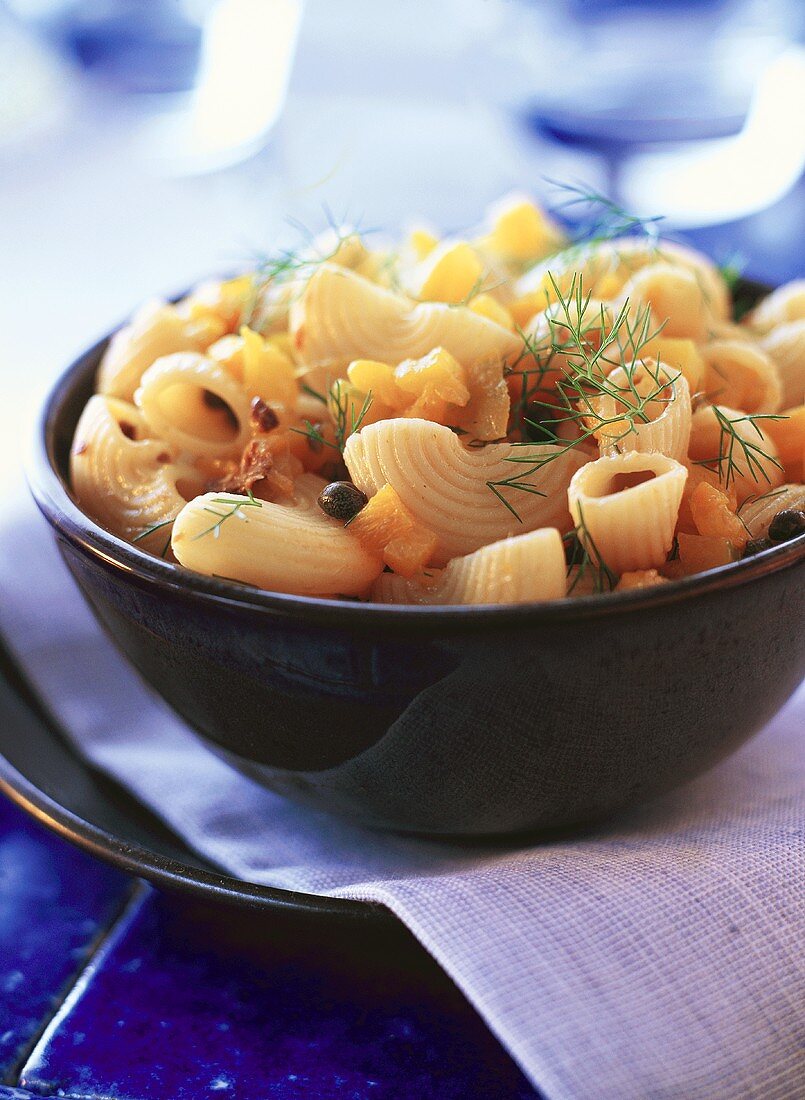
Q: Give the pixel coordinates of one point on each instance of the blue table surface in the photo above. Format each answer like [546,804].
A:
[109,989]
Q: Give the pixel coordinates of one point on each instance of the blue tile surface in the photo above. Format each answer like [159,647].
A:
[54,903]
[182,1008]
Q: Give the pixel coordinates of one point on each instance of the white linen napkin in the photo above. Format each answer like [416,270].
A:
[662,957]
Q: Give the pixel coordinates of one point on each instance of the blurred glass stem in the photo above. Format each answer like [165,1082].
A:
[247,54]
[702,183]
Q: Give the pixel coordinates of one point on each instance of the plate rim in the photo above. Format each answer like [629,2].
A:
[139,861]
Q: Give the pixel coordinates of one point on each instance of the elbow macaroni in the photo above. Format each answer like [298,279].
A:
[519,419]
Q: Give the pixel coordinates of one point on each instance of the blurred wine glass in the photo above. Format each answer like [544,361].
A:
[689,106]
[209,77]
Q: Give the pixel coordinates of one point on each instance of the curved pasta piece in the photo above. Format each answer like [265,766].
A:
[515,570]
[195,404]
[675,295]
[785,304]
[156,329]
[282,548]
[123,477]
[742,376]
[734,444]
[667,431]
[341,316]
[758,511]
[785,344]
[625,508]
[605,267]
[447,486]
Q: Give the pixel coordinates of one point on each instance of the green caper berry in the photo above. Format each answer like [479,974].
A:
[787,525]
[341,500]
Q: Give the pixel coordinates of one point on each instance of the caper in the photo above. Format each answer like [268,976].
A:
[341,500]
[787,525]
[754,546]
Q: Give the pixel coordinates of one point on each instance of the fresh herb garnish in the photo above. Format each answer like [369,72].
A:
[156,527]
[345,420]
[587,560]
[235,509]
[576,397]
[732,447]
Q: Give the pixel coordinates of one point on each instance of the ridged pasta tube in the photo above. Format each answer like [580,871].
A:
[515,570]
[156,329]
[667,431]
[735,444]
[341,316]
[783,305]
[758,511]
[123,477]
[195,404]
[741,375]
[785,344]
[447,486]
[283,548]
[625,508]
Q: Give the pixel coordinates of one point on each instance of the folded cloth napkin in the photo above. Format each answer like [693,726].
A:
[661,957]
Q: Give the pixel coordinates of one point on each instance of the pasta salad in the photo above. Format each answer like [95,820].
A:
[500,418]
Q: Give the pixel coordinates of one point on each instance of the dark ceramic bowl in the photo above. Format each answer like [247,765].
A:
[443,720]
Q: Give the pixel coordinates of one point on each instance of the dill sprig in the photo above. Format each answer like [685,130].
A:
[576,396]
[156,527]
[732,268]
[305,388]
[235,505]
[345,419]
[288,264]
[602,219]
[587,559]
[732,447]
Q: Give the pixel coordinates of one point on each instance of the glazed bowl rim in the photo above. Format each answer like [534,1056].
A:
[53,498]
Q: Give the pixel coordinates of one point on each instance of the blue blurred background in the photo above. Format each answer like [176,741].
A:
[144,143]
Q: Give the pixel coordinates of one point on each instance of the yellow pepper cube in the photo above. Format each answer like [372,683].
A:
[680,355]
[385,526]
[370,376]
[527,306]
[700,552]
[437,374]
[711,513]
[450,273]
[267,372]
[486,306]
[422,242]
[521,231]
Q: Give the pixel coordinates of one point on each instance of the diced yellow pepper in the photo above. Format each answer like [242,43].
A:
[370,376]
[524,308]
[385,526]
[267,372]
[712,515]
[422,242]
[437,374]
[451,273]
[679,354]
[486,306]
[700,552]
[521,231]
